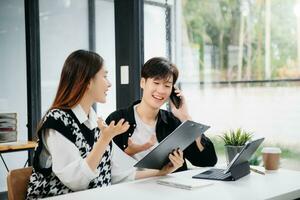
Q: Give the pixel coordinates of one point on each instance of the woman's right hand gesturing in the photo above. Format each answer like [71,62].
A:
[112,130]
[108,132]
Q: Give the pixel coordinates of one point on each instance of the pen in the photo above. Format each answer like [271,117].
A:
[257,171]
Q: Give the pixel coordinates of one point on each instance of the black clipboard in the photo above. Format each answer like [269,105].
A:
[181,138]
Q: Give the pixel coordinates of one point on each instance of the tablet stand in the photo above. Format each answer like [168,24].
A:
[240,170]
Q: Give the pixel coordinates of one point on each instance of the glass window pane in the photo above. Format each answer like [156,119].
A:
[63,29]
[230,51]
[13,82]
[105,46]
[242,40]
[154,31]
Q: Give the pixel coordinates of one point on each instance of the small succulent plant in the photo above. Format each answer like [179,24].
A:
[236,137]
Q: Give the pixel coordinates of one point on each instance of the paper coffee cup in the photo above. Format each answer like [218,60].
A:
[271,157]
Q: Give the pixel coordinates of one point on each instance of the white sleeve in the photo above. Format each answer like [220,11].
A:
[67,163]
[122,166]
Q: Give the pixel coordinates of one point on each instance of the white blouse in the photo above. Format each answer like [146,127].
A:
[67,164]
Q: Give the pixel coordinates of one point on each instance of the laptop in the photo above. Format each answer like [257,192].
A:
[237,168]
[181,138]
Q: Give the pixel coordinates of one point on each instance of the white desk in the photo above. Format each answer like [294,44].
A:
[283,184]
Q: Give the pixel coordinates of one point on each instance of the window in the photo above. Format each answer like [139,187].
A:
[240,66]
[105,46]
[61,22]
[155,29]
[13,85]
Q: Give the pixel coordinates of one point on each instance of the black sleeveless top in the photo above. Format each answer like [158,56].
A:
[43,182]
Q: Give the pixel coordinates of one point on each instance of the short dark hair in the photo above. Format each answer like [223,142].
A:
[159,68]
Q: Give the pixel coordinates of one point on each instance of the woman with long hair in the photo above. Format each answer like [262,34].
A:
[75,149]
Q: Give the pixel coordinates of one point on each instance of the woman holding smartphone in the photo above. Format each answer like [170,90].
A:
[149,124]
[75,149]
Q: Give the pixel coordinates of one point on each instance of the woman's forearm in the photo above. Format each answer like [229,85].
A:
[95,156]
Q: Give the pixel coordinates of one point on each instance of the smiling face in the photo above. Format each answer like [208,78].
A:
[99,85]
[156,91]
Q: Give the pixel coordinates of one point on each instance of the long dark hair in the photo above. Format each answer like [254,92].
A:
[79,68]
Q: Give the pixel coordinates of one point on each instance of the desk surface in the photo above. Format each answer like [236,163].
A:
[17,146]
[282,184]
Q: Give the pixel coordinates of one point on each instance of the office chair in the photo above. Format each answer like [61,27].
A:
[17,182]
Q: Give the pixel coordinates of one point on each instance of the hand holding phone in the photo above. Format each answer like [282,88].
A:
[175,99]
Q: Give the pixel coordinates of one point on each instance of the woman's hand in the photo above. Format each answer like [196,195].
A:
[110,131]
[177,160]
[134,148]
[182,112]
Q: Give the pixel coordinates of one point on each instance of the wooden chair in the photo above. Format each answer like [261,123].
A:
[17,182]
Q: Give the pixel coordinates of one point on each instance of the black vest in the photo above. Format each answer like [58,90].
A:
[43,182]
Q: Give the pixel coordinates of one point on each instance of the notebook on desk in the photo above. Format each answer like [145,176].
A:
[237,168]
[183,183]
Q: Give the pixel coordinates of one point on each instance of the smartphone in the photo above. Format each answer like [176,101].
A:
[175,99]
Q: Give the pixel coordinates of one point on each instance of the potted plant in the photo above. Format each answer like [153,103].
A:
[234,142]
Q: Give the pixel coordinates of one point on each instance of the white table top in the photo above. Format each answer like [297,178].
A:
[282,184]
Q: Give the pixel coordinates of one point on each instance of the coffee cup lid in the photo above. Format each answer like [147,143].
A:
[271,150]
